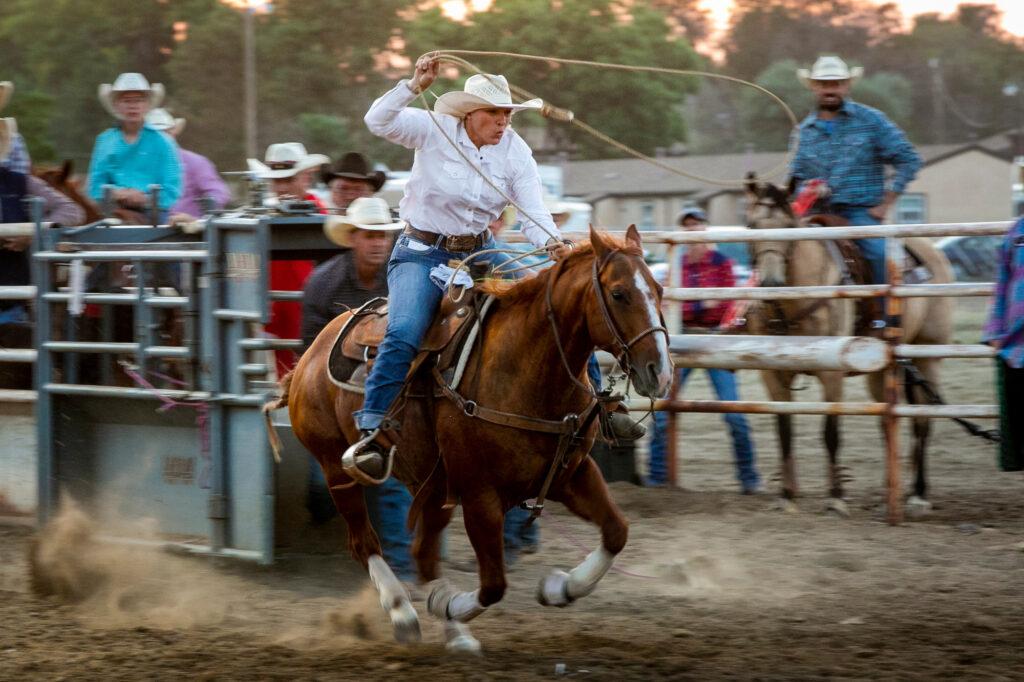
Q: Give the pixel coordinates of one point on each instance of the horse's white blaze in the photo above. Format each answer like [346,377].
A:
[664,359]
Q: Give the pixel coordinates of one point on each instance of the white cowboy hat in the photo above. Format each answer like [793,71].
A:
[6,90]
[285,159]
[482,91]
[365,213]
[8,129]
[130,82]
[162,120]
[555,206]
[829,68]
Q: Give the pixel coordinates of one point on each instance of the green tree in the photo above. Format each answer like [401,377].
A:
[638,109]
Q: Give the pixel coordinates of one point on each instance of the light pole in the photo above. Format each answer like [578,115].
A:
[249,74]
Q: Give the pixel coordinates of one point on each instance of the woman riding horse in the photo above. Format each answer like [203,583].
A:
[447,206]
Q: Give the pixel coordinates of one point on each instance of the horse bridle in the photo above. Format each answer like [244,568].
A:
[622,346]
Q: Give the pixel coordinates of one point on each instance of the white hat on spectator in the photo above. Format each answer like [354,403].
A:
[285,159]
[130,82]
[162,120]
[364,213]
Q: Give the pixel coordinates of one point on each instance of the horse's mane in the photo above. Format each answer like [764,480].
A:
[529,288]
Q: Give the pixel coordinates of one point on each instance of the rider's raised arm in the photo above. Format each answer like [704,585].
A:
[528,193]
[391,118]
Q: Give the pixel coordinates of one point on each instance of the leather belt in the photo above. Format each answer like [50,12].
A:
[454,244]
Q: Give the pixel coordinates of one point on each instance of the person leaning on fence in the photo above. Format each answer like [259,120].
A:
[200,181]
[349,178]
[346,281]
[132,156]
[1004,331]
[848,146]
[290,170]
[17,159]
[703,266]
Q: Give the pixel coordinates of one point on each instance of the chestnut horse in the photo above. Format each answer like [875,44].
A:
[809,263]
[530,361]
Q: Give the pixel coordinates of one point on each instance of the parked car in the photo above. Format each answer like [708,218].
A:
[974,259]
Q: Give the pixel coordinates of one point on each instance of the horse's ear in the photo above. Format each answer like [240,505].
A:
[598,243]
[633,237]
[791,187]
[751,184]
[66,169]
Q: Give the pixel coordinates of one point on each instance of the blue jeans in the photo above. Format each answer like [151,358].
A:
[518,534]
[873,249]
[388,507]
[412,301]
[726,385]
[16,314]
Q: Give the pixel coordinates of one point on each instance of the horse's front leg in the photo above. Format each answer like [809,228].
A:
[778,385]
[832,385]
[586,495]
[483,516]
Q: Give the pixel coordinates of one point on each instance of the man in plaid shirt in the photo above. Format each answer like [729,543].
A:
[848,146]
[1005,332]
[703,266]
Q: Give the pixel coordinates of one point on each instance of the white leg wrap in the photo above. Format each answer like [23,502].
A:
[391,590]
[459,639]
[446,603]
[584,578]
[394,599]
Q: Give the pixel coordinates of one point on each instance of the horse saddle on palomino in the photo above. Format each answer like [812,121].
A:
[854,268]
[357,342]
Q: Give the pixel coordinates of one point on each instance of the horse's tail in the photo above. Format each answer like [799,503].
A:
[282,401]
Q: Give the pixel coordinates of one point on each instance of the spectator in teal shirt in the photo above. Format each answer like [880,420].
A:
[132,156]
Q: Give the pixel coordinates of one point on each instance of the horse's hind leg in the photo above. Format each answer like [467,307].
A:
[586,495]
[917,503]
[365,547]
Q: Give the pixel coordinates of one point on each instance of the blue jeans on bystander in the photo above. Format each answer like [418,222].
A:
[726,385]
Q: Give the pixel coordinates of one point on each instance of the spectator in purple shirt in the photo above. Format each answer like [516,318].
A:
[1005,332]
[199,176]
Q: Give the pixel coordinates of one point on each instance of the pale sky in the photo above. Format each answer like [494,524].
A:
[1013,10]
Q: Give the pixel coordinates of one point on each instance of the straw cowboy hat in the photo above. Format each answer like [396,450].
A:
[482,91]
[8,129]
[285,159]
[829,68]
[130,82]
[161,120]
[365,213]
[6,90]
[354,166]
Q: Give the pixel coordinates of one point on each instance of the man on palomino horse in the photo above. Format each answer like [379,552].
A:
[848,145]
[17,158]
[200,180]
[131,156]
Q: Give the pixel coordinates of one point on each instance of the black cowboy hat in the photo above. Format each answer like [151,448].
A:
[354,166]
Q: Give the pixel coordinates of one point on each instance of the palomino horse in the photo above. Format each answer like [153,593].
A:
[810,263]
[529,364]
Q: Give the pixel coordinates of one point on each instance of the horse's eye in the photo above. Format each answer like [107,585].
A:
[618,295]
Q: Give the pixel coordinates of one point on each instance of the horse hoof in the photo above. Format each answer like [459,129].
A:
[918,507]
[406,623]
[787,506]
[838,507]
[553,589]
[459,639]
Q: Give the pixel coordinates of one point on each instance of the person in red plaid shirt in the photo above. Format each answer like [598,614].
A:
[703,266]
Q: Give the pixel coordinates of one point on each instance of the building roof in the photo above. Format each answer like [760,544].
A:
[597,179]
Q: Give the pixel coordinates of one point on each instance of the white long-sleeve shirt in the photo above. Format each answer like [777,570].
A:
[444,194]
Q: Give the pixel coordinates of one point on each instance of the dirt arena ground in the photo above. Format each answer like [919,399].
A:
[714,585]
